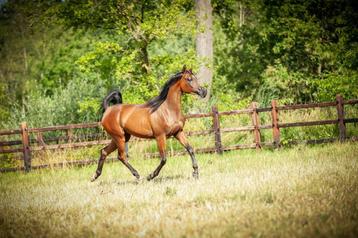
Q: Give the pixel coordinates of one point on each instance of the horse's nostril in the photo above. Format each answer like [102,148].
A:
[203,92]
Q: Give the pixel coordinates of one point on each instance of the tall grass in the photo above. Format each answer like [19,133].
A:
[298,192]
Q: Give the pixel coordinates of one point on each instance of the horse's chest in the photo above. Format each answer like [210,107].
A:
[166,122]
[173,126]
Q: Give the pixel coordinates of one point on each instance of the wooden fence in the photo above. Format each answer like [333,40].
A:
[27,145]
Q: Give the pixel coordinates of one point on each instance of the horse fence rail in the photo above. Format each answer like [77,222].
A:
[37,142]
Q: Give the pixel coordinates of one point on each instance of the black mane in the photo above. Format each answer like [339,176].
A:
[155,102]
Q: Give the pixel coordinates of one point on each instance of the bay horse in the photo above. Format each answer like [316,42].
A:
[159,118]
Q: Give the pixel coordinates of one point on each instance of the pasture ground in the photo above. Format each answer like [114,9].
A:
[298,192]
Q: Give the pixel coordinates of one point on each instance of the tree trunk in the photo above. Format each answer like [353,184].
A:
[144,44]
[204,42]
[145,58]
[242,15]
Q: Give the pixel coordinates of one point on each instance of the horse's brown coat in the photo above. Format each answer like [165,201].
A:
[123,120]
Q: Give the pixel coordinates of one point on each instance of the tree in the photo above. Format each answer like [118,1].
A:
[204,42]
[305,41]
[140,22]
[130,45]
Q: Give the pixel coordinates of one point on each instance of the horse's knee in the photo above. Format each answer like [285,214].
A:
[122,155]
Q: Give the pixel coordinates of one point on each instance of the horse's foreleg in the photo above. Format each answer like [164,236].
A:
[161,147]
[182,139]
[104,152]
[122,157]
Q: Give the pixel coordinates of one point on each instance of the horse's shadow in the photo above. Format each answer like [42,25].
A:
[144,180]
[167,178]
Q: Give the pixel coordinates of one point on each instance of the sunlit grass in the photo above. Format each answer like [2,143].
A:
[299,192]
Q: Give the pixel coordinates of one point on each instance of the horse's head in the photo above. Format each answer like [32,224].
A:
[189,83]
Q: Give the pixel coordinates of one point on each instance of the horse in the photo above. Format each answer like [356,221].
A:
[159,119]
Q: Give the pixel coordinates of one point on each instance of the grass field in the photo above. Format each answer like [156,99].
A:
[299,192]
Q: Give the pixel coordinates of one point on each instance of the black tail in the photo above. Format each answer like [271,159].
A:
[114,97]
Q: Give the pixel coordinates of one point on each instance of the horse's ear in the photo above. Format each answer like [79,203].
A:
[184,68]
[191,71]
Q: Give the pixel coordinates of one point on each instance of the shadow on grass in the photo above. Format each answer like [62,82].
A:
[143,180]
[167,178]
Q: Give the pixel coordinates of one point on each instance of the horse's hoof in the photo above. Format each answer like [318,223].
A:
[94,177]
[137,176]
[195,175]
[149,177]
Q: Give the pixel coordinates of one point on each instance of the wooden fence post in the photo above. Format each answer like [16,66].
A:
[216,127]
[69,135]
[26,146]
[256,124]
[341,124]
[275,128]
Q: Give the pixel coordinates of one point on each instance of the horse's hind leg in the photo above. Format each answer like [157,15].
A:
[104,152]
[122,155]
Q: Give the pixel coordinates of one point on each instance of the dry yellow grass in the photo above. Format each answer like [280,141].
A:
[299,192]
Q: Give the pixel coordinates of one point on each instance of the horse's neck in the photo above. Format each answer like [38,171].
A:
[173,100]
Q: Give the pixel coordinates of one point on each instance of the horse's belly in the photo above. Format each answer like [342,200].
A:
[139,133]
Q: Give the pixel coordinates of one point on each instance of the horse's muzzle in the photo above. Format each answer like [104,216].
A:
[202,92]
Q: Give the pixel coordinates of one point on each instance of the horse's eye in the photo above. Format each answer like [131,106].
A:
[189,79]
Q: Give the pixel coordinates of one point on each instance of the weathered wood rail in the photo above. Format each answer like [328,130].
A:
[38,143]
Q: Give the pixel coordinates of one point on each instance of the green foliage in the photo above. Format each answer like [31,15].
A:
[288,87]
[332,83]
[305,43]
[139,22]
[58,59]
[69,69]
[77,102]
